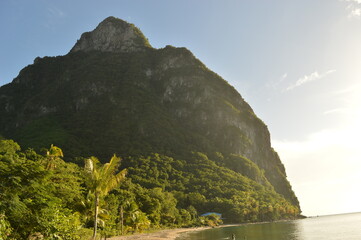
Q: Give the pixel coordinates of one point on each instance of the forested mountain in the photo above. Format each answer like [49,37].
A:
[176,124]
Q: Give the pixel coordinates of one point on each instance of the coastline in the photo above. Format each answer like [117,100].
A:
[170,234]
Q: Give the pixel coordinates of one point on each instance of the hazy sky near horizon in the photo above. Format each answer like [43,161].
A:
[297,63]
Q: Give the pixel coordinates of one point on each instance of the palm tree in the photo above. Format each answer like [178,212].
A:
[101,179]
[52,155]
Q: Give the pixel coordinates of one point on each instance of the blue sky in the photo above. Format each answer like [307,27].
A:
[298,64]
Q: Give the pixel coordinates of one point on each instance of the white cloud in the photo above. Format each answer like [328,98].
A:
[356,12]
[336,110]
[275,83]
[354,8]
[309,78]
[351,100]
[56,12]
[349,89]
[53,15]
[355,1]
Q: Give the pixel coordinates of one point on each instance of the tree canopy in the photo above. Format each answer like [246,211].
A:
[65,201]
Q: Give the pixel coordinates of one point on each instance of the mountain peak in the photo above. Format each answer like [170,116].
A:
[112,35]
[161,101]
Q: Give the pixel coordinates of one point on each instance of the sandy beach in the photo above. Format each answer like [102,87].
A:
[169,234]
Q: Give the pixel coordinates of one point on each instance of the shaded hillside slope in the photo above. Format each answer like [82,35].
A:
[114,93]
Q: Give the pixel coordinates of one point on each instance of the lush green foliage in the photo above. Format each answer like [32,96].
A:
[58,202]
[5,228]
[100,180]
[202,184]
[134,104]
[190,144]
[36,199]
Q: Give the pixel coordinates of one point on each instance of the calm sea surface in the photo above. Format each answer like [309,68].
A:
[335,227]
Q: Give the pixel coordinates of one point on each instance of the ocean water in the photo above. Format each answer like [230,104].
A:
[333,227]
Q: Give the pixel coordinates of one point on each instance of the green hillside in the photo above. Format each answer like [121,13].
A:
[178,126]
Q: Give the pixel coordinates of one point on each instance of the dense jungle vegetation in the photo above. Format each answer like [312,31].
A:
[42,196]
[184,141]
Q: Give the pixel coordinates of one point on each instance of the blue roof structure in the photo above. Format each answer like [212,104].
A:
[209,213]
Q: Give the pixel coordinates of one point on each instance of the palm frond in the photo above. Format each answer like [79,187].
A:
[101,180]
[111,167]
[89,165]
[55,151]
[114,181]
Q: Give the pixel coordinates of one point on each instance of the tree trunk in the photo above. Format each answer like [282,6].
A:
[96,216]
[121,219]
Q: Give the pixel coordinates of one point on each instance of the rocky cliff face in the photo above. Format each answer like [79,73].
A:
[113,93]
[112,35]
